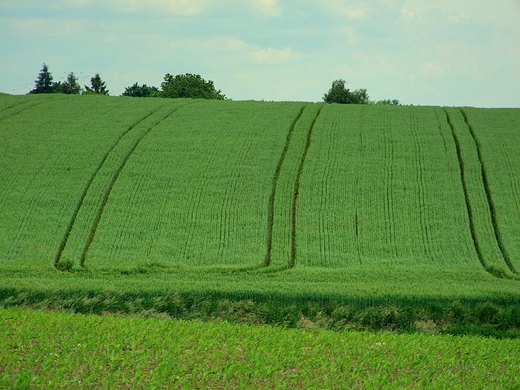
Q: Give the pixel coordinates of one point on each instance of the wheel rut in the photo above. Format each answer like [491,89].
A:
[276,176]
[85,219]
[296,191]
[488,217]
[489,197]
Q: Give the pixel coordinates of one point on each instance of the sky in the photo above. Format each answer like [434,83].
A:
[436,52]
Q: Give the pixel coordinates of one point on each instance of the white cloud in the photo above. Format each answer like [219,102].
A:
[272,56]
[177,7]
[351,35]
[407,13]
[269,8]
[349,10]
[354,13]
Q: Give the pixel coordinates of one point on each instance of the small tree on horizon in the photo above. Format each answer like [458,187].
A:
[388,102]
[44,82]
[339,94]
[189,86]
[69,86]
[98,86]
[140,91]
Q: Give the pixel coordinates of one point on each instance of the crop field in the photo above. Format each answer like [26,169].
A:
[71,351]
[290,202]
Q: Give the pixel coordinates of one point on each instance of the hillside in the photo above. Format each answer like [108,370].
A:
[252,199]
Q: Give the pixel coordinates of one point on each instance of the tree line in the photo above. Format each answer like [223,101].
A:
[338,93]
[45,84]
[180,86]
[183,86]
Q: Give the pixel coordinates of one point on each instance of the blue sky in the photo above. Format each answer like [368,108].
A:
[452,53]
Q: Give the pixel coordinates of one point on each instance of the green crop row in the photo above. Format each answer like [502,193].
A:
[381,187]
[70,351]
[496,132]
[48,154]
[196,189]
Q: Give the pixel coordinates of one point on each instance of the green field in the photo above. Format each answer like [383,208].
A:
[71,351]
[286,203]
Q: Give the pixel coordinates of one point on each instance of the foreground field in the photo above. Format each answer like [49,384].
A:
[70,351]
[105,199]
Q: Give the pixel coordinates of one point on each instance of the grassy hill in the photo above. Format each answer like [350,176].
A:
[282,204]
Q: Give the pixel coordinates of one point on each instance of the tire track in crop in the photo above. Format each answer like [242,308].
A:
[26,105]
[491,204]
[512,179]
[83,195]
[296,190]
[276,176]
[14,106]
[439,120]
[113,181]
[469,207]
[97,174]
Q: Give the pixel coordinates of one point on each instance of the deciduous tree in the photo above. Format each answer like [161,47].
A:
[339,94]
[140,91]
[189,86]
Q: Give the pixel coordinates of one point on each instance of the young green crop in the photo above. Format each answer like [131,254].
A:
[496,132]
[196,189]
[381,188]
[48,153]
[53,350]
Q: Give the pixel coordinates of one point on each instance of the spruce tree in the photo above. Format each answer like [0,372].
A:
[71,85]
[98,86]
[44,83]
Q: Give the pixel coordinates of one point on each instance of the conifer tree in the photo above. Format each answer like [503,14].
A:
[71,85]
[98,86]
[44,83]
